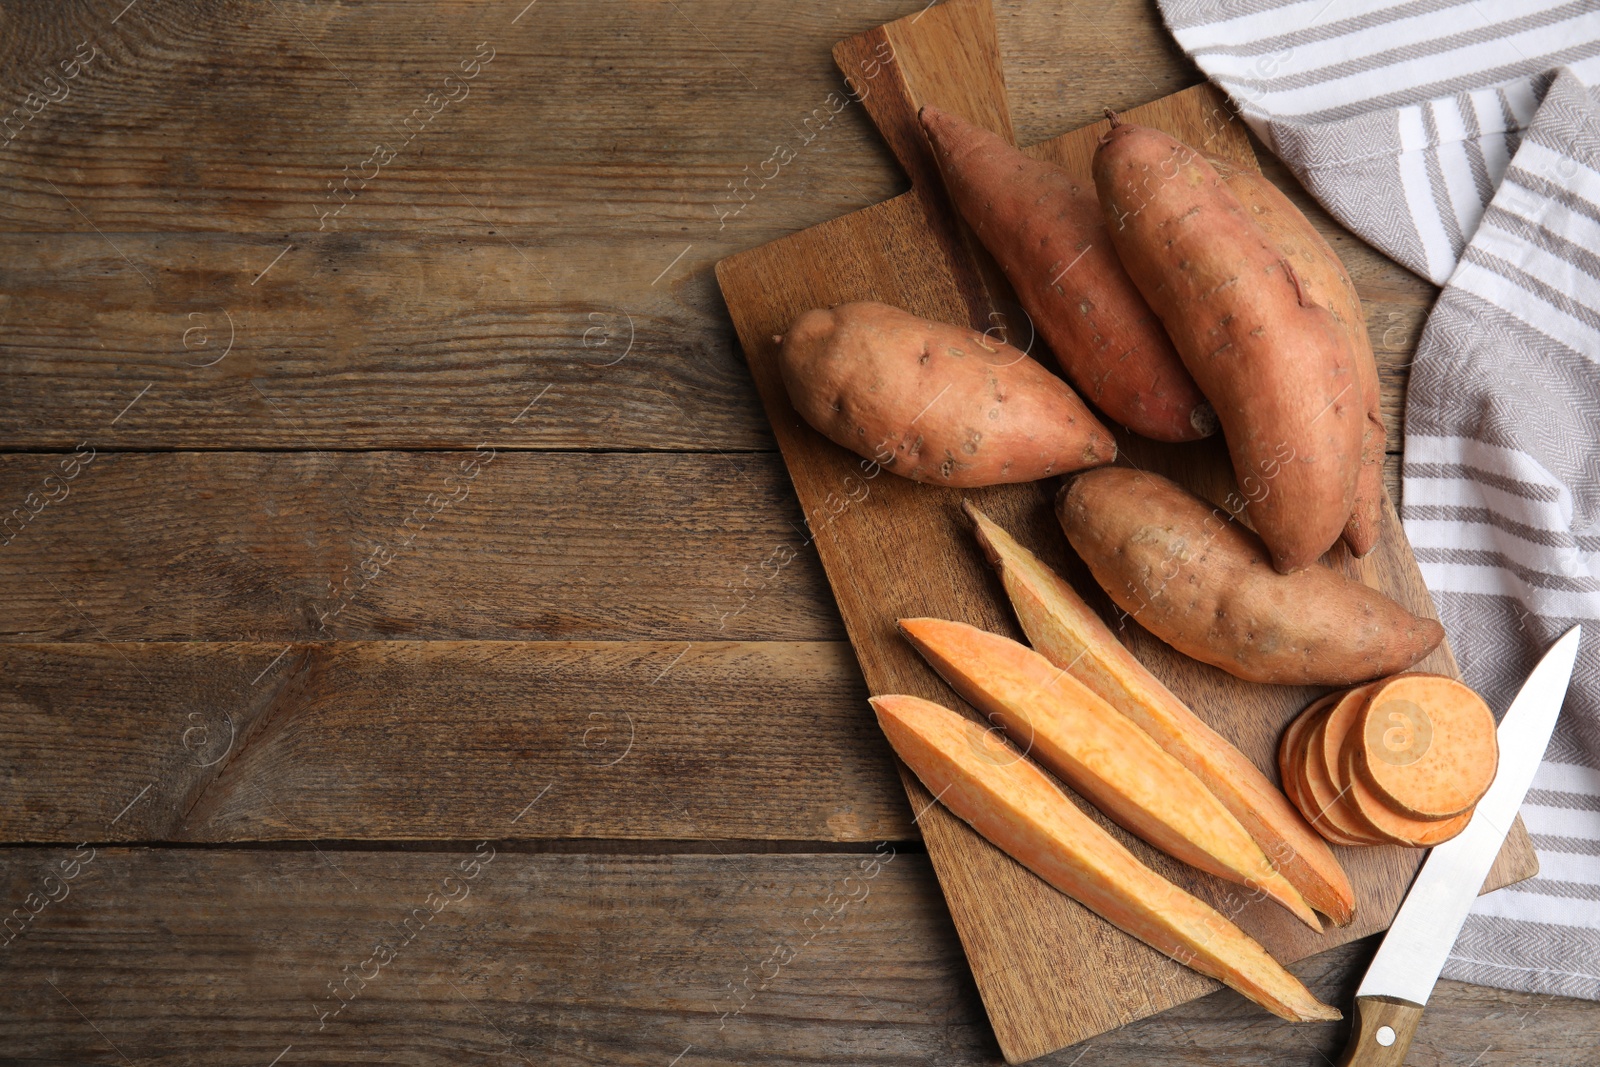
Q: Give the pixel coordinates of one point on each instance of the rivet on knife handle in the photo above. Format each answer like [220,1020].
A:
[1381,1032]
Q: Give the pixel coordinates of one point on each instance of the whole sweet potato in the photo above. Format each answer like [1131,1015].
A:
[934,402]
[1205,585]
[1044,229]
[1274,363]
[1325,280]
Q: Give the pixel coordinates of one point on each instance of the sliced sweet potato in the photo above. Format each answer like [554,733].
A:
[1068,633]
[1426,744]
[1017,808]
[1098,751]
[1205,585]
[1358,805]
[1325,789]
[1390,824]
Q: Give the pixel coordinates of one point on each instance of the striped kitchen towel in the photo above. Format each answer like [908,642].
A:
[1463,140]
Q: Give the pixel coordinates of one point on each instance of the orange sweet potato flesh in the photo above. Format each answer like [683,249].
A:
[1387,823]
[1359,809]
[1426,745]
[1313,795]
[1044,229]
[1289,759]
[1320,767]
[1068,633]
[1098,751]
[1275,364]
[1017,808]
[1206,585]
[934,402]
[1325,281]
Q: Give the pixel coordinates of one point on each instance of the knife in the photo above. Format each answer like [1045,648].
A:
[1402,975]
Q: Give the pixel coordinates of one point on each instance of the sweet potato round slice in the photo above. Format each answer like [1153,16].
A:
[1289,749]
[1292,760]
[1426,744]
[1334,811]
[1401,829]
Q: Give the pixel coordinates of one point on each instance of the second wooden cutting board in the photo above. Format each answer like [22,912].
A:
[1050,972]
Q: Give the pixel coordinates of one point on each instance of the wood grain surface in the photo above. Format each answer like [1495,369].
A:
[318,546]
[435,740]
[893,549]
[179,957]
[275,408]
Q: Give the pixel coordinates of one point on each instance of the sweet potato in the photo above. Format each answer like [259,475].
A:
[1313,795]
[1205,585]
[1099,752]
[1069,634]
[1426,744]
[1274,364]
[1324,784]
[1290,755]
[934,402]
[1325,280]
[1044,229]
[1389,824]
[1011,803]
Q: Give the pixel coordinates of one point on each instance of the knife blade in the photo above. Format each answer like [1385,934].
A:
[1397,985]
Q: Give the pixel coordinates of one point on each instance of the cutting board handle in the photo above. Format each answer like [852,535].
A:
[948,56]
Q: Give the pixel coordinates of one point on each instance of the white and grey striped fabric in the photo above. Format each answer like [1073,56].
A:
[1463,140]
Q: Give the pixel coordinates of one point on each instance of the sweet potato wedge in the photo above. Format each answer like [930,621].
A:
[1326,282]
[1426,744]
[1044,229]
[1098,751]
[1275,364]
[934,402]
[1068,633]
[1018,809]
[1206,585]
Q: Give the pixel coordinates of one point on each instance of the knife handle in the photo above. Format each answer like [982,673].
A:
[1381,1033]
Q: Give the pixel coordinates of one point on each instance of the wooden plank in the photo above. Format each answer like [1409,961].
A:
[359,342]
[907,551]
[281,547]
[567,119]
[400,740]
[182,957]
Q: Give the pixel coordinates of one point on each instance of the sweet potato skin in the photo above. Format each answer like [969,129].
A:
[1045,230]
[1325,280]
[1275,365]
[934,402]
[1205,585]
[1068,633]
[1011,803]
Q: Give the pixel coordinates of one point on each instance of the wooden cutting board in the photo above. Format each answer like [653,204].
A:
[1050,972]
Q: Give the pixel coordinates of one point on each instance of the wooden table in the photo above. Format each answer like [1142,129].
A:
[406,650]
